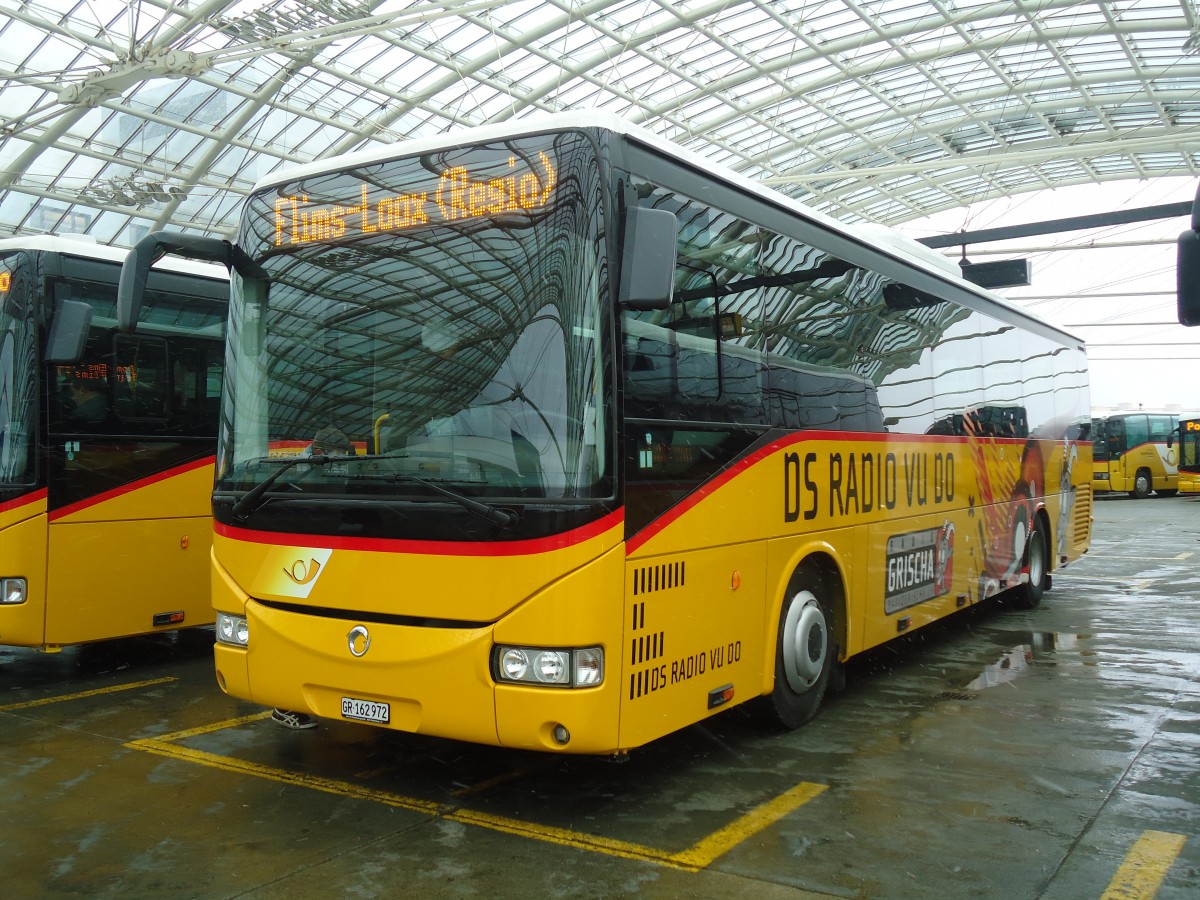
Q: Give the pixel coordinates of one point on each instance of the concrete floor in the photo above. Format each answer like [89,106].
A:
[1045,754]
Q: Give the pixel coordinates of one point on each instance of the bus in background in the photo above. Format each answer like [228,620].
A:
[106,444]
[550,436]
[1189,456]
[1134,453]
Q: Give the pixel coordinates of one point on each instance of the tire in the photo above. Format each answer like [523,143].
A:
[805,652]
[1037,559]
[1141,485]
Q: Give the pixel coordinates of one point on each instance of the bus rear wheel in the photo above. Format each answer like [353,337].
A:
[804,657]
[1037,556]
[1141,484]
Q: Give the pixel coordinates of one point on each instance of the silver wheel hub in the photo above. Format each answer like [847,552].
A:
[805,642]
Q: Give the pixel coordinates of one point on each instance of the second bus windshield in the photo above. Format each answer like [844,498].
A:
[438,313]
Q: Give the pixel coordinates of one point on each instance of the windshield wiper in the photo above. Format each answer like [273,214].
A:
[249,501]
[502,517]
[252,499]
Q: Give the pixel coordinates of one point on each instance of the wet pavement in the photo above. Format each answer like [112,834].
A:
[1052,753]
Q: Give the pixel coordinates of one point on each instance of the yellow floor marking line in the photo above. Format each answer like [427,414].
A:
[63,698]
[699,856]
[1145,866]
[566,838]
[215,726]
[299,779]
[750,824]
[693,859]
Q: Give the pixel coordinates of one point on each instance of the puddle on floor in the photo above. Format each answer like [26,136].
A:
[1019,657]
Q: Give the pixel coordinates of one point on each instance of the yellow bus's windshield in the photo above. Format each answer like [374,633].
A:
[1189,446]
[18,362]
[432,320]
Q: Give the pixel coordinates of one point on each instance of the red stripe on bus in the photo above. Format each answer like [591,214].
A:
[433,548]
[131,487]
[801,437]
[23,500]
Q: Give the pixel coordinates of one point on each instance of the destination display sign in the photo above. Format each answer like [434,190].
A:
[453,195]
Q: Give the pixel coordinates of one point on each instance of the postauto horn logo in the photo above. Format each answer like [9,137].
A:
[359,640]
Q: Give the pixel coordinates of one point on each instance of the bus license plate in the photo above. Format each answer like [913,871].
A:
[366,710]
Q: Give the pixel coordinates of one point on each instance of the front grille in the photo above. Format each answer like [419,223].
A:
[658,578]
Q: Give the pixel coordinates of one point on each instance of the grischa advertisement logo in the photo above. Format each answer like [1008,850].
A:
[919,566]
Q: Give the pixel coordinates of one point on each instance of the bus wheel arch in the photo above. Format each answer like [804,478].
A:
[1036,562]
[809,637]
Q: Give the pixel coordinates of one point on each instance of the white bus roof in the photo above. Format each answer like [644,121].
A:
[882,237]
[89,248]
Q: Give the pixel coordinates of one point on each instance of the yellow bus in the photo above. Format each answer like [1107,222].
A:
[552,436]
[1134,453]
[1189,456]
[106,444]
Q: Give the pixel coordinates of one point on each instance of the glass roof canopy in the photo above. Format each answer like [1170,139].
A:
[118,118]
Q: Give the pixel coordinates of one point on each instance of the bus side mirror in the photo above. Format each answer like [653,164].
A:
[1187,270]
[1187,273]
[648,256]
[68,334]
[136,268]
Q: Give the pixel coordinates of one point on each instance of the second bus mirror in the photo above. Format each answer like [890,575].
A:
[136,268]
[69,332]
[1188,278]
[1187,270]
[648,258]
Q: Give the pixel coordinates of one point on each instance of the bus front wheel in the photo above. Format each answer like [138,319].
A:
[1141,484]
[804,656]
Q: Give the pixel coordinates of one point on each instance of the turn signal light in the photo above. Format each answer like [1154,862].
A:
[12,590]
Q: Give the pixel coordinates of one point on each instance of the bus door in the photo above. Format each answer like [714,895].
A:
[1115,443]
[130,526]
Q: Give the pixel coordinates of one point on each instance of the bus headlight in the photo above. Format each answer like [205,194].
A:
[232,630]
[12,590]
[537,665]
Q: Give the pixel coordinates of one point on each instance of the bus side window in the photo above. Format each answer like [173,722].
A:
[141,378]
[196,389]
[1161,428]
[82,394]
[1137,431]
